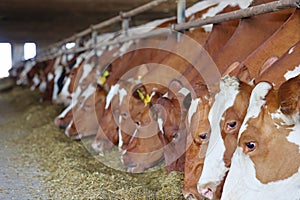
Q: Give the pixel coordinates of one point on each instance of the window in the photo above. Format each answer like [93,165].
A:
[5,59]
[29,50]
[70,45]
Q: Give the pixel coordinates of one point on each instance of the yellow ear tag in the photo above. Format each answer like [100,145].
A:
[105,73]
[147,99]
[102,79]
[141,95]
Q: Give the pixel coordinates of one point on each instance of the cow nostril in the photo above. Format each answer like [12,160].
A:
[207,192]
[190,197]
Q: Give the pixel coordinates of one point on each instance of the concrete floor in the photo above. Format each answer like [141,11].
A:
[18,179]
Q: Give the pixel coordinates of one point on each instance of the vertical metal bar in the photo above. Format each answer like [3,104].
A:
[181,6]
[125,26]
[94,39]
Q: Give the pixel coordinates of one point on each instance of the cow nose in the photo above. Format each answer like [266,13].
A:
[206,192]
[190,197]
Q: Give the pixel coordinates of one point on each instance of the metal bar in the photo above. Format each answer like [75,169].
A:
[113,20]
[181,6]
[125,26]
[248,12]
[238,14]
[94,37]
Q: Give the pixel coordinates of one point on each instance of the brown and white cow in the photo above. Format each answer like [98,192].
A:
[227,132]
[266,163]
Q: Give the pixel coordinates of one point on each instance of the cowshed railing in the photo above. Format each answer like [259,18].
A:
[123,16]
[238,14]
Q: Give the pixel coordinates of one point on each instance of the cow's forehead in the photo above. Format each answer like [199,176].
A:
[257,100]
[229,88]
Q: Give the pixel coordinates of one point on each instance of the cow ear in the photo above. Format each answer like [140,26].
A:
[231,68]
[174,87]
[267,64]
[139,91]
[289,96]
[244,75]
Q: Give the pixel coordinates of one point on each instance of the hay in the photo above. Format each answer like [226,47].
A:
[67,169]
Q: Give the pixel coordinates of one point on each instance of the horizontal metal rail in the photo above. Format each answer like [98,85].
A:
[238,14]
[123,15]
[243,13]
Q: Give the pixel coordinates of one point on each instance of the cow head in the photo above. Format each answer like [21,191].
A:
[215,168]
[169,120]
[138,139]
[267,158]
[198,134]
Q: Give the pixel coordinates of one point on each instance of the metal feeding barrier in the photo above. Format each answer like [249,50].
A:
[179,27]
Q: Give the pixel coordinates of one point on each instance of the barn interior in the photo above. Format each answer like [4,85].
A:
[158,111]
[37,160]
[51,21]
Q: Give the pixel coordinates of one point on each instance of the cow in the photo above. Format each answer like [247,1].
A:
[232,119]
[259,168]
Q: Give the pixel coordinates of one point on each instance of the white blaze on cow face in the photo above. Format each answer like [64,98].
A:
[43,86]
[23,76]
[214,168]
[65,90]
[291,74]
[193,109]
[112,92]
[87,68]
[241,182]
[120,133]
[257,100]
[50,76]
[36,81]
[66,110]
[90,90]
[122,93]
[160,125]
[57,73]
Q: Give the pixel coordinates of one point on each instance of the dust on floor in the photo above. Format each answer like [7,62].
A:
[37,161]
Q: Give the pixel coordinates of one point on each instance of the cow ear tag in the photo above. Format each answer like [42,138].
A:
[141,95]
[102,79]
[147,99]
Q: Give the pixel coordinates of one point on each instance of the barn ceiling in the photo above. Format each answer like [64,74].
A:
[48,21]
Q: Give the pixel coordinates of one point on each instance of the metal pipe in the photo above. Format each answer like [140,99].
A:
[181,6]
[238,14]
[248,12]
[113,20]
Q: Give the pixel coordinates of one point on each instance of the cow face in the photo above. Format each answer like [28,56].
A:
[214,169]
[138,131]
[267,158]
[142,149]
[172,132]
[87,116]
[199,131]
[71,84]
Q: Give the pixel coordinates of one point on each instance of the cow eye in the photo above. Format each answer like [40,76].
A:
[231,125]
[250,146]
[175,136]
[138,123]
[124,115]
[203,136]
